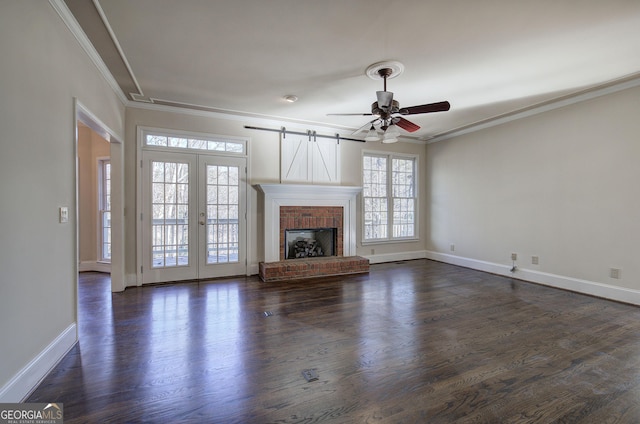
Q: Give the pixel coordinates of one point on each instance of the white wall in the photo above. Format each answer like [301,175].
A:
[264,167]
[42,69]
[562,185]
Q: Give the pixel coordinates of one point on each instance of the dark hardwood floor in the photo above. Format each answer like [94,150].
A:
[411,342]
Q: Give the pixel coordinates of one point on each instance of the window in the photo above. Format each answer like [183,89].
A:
[389,197]
[104,209]
[217,145]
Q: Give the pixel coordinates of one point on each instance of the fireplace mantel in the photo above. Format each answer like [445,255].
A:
[276,195]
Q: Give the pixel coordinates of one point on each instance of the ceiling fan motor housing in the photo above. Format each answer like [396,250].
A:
[385,113]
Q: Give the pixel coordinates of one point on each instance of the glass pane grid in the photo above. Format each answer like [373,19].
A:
[106,235]
[217,145]
[379,191]
[170,213]
[375,222]
[374,191]
[223,187]
[402,184]
[105,210]
[403,218]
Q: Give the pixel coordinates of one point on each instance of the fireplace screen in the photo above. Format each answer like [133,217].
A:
[310,242]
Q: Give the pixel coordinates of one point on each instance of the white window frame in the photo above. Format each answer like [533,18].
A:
[390,156]
[163,132]
[102,162]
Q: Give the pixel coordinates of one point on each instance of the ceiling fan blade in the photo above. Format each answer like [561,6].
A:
[428,108]
[405,124]
[385,98]
[350,114]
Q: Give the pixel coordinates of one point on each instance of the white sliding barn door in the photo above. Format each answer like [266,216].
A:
[310,160]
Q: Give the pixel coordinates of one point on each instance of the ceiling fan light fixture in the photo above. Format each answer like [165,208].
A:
[387,139]
[372,135]
[391,134]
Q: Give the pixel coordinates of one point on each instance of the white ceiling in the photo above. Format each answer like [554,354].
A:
[488,58]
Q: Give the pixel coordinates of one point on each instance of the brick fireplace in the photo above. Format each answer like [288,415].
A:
[309,206]
[310,217]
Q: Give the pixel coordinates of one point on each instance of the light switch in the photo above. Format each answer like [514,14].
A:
[64,214]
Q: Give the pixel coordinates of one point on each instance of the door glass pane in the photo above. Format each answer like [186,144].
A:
[170,213]
[222,214]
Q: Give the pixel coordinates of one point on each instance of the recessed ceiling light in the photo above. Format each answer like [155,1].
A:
[291,98]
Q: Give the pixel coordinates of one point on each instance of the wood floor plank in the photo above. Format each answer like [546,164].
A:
[416,341]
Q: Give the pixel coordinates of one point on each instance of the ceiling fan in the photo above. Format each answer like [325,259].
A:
[387,111]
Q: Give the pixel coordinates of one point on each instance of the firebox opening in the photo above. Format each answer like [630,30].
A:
[310,242]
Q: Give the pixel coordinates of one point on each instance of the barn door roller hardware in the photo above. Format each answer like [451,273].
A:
[310,134]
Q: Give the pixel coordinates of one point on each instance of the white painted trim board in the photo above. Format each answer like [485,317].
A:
[28,378]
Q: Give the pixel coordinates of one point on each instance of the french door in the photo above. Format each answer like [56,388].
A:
[193,216]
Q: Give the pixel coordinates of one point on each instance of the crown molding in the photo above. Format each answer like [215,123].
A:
[610,87]
[70,21]
[244,117]
[118,47]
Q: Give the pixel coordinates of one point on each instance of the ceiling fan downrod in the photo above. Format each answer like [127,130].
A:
[384,73]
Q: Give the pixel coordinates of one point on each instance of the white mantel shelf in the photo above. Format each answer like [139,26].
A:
[289,190]
[276,195]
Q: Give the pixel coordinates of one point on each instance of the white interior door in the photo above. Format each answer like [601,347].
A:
[221,216]
[193,216]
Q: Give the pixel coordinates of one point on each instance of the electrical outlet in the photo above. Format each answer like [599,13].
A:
[452,247]
[373,251]
[615,273]
[514,256]
[535,260]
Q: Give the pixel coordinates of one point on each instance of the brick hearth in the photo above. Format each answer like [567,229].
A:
[312,267]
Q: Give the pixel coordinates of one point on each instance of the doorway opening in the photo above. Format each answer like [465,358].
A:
[88,125]
[94,201]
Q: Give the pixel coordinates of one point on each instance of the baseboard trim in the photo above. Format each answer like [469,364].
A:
[28,378]
[131,280]
[396,256]
[253,269]
[87,266]
[591,288]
